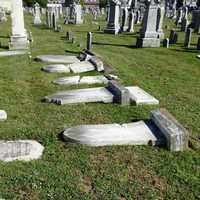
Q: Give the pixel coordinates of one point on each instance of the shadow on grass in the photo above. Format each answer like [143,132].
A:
[72,52]
[118,45]
[189,50]
[4,36]
[4,47]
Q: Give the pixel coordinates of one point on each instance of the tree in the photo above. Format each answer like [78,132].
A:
[30,3]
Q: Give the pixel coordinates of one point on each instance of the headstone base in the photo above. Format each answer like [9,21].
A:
[18,42]
[147,42]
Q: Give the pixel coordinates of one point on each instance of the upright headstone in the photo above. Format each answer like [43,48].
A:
[173,37]
[184,23]
[198,44]
[149,36]
[37,20]
[18,39]
[89,41]
[188,36]
[113,26]
[166,43]
[196,21]
[124,26]
[131,22]
[160,18]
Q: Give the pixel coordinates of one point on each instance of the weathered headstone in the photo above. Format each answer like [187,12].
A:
[124,26]
[37,15]
[166,42]
[198,44]
[160,18]
[131,22]
[23,150]
[175,134]
[18,39]
[3,115]
[188,36]
[173,37]
[89,41]
[149,36]
[113,26]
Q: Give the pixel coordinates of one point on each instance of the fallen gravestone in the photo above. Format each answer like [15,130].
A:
[3,115]
[57,68]
[140,97]
[198,56]
[75,80]
[161,129]
[12,53]
[81,96]
[136,133]
[58,59]
[113,93]
[24,150]
[176,135]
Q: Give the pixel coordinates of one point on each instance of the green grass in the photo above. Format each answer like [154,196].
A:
[72,171]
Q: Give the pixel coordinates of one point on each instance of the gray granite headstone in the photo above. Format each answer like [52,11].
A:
[121,93]
[188,36]
[198,44]
[175,134]
[89,41]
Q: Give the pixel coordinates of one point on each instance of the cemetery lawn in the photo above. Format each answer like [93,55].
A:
[72,171]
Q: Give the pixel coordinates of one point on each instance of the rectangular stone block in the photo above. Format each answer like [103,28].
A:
[175,134]
[121,94]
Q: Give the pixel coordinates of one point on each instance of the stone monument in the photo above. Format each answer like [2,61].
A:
[113,26]
[18,39]
[37,20]
[149,36]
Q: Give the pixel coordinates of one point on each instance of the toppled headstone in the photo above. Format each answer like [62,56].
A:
[136,133]
[24,150]
[198,56]
[12,53]
[121,93]
[81,96]
[83,66]
[93,80]
[113,93]
[97,63]
[176,135]
[57,68]
[3,115]
[161,129]
[72,80]
[58,59]
[139,97]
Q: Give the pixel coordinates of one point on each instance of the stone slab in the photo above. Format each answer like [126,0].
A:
[57,68]
[198,56]
[89,95]
[140,97]
[12,53]
[3,115]
[24,150]
[137,133]
[175,134]
[58,59]
[72,80]
[94,80]
[83,66]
